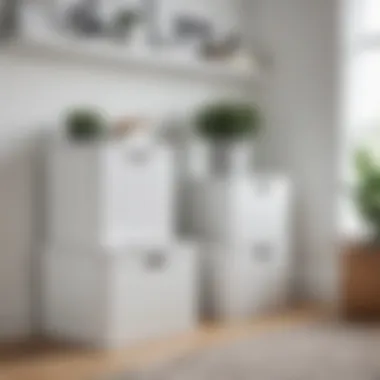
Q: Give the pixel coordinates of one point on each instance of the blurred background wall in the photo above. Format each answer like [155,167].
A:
[303,126]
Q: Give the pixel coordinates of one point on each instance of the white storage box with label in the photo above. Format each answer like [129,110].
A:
[244,225]
[119,296]
[110,193]
[239,210]
[242,281]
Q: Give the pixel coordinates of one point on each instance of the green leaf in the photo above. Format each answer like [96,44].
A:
[228,121]
[364,163]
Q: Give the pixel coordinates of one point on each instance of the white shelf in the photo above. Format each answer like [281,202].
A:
[139,60]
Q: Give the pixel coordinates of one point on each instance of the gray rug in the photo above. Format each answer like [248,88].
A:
[308,353]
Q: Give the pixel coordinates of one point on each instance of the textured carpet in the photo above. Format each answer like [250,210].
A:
[312,353]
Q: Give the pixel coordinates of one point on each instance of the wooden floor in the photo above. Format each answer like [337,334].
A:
[39,361]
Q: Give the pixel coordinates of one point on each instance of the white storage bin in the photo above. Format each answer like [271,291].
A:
[110,193]
[242,281]
[271,209]
[239,210]
[119,296]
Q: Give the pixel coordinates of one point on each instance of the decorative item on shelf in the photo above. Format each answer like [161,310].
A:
[192,28]
[187,33]
[85,125]
[84,20]
[9,12]
[123,24]
[37,18]
[126,126]
[220,49]
[368,193]
[228,127]
[137,136]
[175,131]
[152,9]
[263,57]
[244,60]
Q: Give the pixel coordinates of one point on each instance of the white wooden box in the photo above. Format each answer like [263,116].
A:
[239,210]
[120,296]
[110,193]
[242,281]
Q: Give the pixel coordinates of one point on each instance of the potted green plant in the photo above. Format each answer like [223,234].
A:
[368,192]
[85,124]
[229,128]
[124,22]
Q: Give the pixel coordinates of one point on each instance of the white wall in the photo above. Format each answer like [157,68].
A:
[34,91]
[301,39]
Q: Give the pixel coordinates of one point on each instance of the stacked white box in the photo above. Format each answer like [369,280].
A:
[244,224]
[239,210]
[113,271]
[118,296]
[110,193]
[241,281]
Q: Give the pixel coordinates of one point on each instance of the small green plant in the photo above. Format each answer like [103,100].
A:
[85,124]
[124,21]
[368,190]
[228,121]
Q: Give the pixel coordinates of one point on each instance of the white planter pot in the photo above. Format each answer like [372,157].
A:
[223,160]
[197,164]
[229,159]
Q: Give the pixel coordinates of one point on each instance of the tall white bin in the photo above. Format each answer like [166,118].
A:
[244,226]
[110,193]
